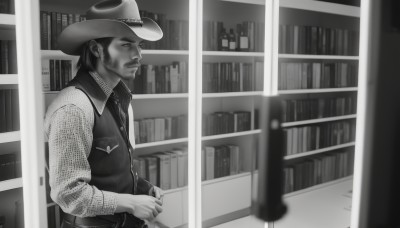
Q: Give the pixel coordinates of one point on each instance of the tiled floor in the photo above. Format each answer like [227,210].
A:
[245,222]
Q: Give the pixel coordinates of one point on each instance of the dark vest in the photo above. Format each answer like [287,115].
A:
[111,154]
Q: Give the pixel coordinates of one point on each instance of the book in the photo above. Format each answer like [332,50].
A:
[209,162]
[15,110]
[3,120]
[7,166]
[46,86]
[8,110]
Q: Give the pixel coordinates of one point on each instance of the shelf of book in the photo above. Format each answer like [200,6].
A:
[226,178]
[159,143]
[8,79]
[319,151]
[320,120]
[321,7]
[318,186]
[10,184]
[10,136]
[329,57]
[7,21]
[233,53]
[233,94]
[256,2]
[159,96]
[230,135]
[51,204]
[323,90]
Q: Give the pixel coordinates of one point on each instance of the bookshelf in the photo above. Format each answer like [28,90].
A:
[317,19]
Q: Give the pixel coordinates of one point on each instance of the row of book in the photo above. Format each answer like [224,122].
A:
[250,32]
[8,57]
[306,75]
[317,136]
[167,169]
[232,77]
[226,122]
[7,6]
[9,110]
[316,40]
[10,167]
[161,128]
[220,161]
[319,169]
[56,73]
[304,109]
[51,26]
[176,32]
[152,79]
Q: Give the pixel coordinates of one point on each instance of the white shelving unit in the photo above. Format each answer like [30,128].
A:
[319,151]
[7,137]
[327,90]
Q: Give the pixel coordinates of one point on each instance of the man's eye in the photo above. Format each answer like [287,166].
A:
[142,44]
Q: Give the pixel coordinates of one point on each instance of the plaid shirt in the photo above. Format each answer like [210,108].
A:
[69,123]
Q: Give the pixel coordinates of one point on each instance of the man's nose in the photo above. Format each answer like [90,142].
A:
[137,53]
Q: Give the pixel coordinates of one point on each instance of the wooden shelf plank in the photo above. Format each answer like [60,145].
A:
[229,135]
[323,90]
[8,79]
[318,186]
[302,56]
[7,21]
[159,96]
[323,7]
[319,151]
[10,184]
[159,143]
[10,136]
[233,94]
[233,53]
[320,120]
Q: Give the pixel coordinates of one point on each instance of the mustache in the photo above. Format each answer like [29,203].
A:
[133,63]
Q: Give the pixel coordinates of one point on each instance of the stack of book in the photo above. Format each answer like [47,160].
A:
[56,74]
[168,169]
[230,77]
[314,75]
[9,110]
[176,32]
[7,6]
[8,57]
[220,161]
[313,108]
[151,79]
[297,39]
[316,136]
[52,24]
[226,122]
[318,169]
[10,167]
[161,128]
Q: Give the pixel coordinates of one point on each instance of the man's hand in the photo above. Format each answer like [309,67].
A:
[156,192]
[142,206]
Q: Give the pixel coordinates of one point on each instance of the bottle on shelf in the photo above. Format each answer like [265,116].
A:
[243,41]
[223,40]
[232,40]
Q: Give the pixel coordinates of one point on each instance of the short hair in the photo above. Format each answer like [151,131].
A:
[87,61]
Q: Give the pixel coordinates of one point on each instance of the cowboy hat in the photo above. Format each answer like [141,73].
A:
[108,18]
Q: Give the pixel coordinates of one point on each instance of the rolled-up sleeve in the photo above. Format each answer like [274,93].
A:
[70,138]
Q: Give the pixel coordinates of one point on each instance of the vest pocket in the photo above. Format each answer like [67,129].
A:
[106,144]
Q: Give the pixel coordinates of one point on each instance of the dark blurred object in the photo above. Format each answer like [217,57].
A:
[268,205]
[2,221]
[344,2]
[19,214]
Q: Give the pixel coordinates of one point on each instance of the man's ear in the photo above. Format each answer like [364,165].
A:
[94,48]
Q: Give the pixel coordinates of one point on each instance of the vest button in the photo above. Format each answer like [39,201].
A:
[121,128]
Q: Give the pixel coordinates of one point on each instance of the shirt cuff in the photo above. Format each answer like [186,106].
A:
[109,203]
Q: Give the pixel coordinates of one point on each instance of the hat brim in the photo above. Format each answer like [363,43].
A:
[75,35]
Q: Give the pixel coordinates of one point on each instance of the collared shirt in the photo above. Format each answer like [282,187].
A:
[69,123]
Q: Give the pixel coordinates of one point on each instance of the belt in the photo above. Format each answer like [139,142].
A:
[121,220]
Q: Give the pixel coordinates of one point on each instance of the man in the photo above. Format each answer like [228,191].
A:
[90,123]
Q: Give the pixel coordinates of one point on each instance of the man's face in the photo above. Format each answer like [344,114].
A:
[122,57]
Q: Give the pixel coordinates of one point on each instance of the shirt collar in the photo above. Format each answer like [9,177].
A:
[121,90]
